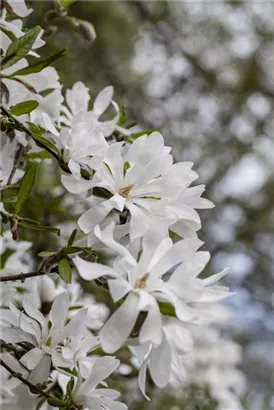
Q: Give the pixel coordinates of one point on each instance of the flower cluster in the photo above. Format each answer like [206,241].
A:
[139,206]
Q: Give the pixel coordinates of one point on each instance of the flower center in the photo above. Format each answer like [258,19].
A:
[141,282]
[125,190]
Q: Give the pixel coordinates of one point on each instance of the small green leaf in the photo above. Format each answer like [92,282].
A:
[9,195]
[64,270]
[8,33]
[40,64]
[39,227]
[122,115]
[70,386]
[37,133]
[74,249]
[24,107]
[166,309]
[38,155]
[5,256]
[72,237]
[126,167]
[66,3]
[26,185]
[46,254]
[20,47]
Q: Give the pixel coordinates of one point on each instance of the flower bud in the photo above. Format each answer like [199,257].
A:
[87,30]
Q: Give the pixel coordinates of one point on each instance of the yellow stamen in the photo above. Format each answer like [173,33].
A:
[124,191]
[141,282]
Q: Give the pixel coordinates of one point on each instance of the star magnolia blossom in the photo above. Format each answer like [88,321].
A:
[86,392]
[162,359]
[78,99]
[44,335]
[81,142]
[139,279]
[144,182]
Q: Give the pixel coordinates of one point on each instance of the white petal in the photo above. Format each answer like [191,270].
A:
[106,236]
[142,378]
[180,251]
[75,169]
[95,215]
[138,224]
[91,270]
[32,358]
[215,278]
[74,185]
[160,364]
[191,268]
[118,288]
[101,369]
[103,100]
[59,310]
[41,372]
[120,324]
[151,329]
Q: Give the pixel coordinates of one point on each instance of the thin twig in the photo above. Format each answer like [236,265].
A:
[21,276]
[27,131]
[16,162]
[34,389]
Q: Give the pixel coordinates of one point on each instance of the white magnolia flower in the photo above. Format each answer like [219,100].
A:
[86,392]
[144,182]
[44,335]
[137,277]
[164,359]
[78,99]
[81,142]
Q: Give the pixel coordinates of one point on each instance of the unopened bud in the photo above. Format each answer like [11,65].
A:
[51,15]
[87,30]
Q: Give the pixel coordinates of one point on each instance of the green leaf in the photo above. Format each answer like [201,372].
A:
[72,237]
[8,33]
[39,227]
[24,107]
[9,195]
[26,185]
[5,256]
[122,115]
[37,133]
[126,167]
[20,47]
[166,309]
[40,64]
[66,3]
[64,270]
[46,254]
[139,134]
[74,249]
[38,155]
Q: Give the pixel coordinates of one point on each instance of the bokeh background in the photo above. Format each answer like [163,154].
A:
[203,73]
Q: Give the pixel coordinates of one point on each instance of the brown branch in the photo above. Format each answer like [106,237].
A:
[34,389]
[21,276]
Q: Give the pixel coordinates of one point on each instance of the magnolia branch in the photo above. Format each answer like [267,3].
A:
[34,389]
[43,270]
[27,131]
